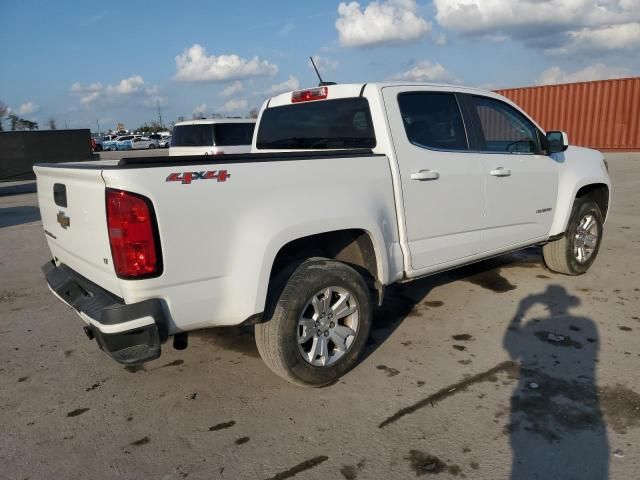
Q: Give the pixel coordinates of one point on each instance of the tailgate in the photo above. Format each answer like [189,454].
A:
[73,210]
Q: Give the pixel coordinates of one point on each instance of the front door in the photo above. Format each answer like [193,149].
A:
[442,182]
[521,182]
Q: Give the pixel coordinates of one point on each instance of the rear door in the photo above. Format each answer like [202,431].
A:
[442,181]
[521,182]
[73,210]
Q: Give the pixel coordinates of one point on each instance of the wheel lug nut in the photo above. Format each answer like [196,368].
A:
[326,333]
[331,325]
[317,323]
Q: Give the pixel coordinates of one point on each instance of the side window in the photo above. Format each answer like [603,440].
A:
[433,120]
[503,128]
[234,133]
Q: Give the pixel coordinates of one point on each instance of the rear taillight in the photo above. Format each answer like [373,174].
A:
[319,93]
[133,235]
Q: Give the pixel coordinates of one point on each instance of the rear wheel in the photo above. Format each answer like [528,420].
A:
[576,250]
[319,325]
[151,146]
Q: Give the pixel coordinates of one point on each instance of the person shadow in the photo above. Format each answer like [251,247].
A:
[556,428]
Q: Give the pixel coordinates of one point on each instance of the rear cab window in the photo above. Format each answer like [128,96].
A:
[228,134]
[199,135]
[342,123]
[212,134]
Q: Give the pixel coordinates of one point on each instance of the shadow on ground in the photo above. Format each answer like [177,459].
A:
[400,301]
[412,299]
[11,216]
[17,189]
[557,428]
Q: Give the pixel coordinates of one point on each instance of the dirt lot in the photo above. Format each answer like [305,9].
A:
[501,370]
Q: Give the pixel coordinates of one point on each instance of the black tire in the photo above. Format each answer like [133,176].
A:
[559,255]
[151,146]
[277,337]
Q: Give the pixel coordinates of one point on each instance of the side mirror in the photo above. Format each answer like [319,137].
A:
[557,141]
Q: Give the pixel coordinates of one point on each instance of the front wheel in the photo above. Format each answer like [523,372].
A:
[576,250]
[319,326]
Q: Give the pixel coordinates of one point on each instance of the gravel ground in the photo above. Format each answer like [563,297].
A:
[500,370]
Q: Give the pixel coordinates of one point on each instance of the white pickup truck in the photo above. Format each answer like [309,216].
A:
[349,188]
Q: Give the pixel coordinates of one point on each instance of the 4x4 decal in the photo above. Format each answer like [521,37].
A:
[187,177]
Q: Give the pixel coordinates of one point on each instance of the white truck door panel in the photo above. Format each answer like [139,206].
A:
[442,183]
[519,207]
[521,184]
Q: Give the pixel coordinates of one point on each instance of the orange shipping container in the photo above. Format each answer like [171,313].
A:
[602,114]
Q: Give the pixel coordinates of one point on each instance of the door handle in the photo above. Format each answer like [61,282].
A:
[500,172]
[425,175]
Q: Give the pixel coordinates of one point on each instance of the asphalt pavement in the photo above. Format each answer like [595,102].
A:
[499,370]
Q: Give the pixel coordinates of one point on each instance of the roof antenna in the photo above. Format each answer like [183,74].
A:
[322,83]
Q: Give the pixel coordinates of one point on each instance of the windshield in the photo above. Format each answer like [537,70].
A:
[193,136]
[326,124]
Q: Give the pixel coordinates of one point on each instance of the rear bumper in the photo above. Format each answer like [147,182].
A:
[129,333]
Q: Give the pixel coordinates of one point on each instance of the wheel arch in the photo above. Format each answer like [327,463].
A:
[356,247]
[593,188]
[599,193]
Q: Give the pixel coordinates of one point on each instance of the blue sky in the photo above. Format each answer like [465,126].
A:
[78,61]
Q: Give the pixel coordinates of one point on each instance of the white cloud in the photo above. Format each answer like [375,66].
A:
[194,65]
[547,25]
[440,39]
[235,105]
[426,71]
[324,64]
[155,101]
[127,87]
[28,108]
[610,37]
[288,85]
[200,109]
[233,89]
[598,71]
[380,22]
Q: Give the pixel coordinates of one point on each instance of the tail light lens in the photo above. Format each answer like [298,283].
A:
[133,235]
[319,93]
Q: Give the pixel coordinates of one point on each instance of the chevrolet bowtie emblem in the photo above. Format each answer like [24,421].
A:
[63,220]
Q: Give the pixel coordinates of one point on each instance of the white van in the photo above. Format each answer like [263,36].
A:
[212,136]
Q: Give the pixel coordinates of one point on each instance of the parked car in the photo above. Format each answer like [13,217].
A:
[212,137]
[165,142]
[112,144]
[143,143]
[350,188]
[96,145]
[124,142]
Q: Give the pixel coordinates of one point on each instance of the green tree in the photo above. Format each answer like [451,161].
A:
[3,112]
[18,123]
[151,127]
